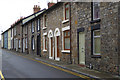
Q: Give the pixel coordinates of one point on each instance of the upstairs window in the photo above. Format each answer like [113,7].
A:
[67,40]
[38,24]
[26,29]
[66,11]
[33,27]
[45,21]
[15,33]
[96,10]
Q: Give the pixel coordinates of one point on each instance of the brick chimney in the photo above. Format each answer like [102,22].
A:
[50,4]
[36,8]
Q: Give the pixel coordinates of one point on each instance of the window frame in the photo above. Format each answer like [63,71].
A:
[33,43]
[93,9]
[33,28]
[45,45]
[66,37]
[38,24]
[96,54]
[65,10]
[45,20]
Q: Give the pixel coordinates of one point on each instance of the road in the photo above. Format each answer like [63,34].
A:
[14,66]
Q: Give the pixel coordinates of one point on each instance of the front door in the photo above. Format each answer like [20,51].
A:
[57,55]
[38,45]
[81,48]
[52,48]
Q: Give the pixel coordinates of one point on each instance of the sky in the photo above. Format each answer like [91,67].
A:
[12,10]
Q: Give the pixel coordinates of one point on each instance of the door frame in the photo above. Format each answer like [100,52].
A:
[78,31]
[38,36]
[50,35]
[56,35]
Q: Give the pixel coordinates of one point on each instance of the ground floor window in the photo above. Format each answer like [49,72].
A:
[96,42]
[67,40]
[45,42]
[33,43]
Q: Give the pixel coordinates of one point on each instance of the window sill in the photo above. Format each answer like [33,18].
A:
[65,51]
[96,56]
[44,50]
[95,21]
[44,28]
[65,21]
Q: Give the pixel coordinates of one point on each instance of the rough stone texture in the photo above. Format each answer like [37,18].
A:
[109,36]
[30,34]
[54,20]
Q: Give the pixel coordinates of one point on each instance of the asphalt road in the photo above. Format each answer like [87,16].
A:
[14,66]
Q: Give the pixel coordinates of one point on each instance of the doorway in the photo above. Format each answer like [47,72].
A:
[81,48]
[38,45]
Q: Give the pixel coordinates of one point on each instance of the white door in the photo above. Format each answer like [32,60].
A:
[81,48]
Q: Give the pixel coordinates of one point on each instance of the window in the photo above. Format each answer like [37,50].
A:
[15,31]
[38,24]
[33,43]
[45,42]
[96,10]
[32,27]
[66,11]
[45,21]
[19,43]
[67,40]
[96,42]
[26,29]
[26,43]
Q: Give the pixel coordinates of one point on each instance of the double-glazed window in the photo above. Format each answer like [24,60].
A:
[66,11]
[96,42]
[96,10]
[33,43]
[33,27]
[67,40]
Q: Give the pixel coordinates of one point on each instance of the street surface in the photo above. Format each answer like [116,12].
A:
[14,66]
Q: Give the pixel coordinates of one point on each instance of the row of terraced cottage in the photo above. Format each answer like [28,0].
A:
[83,33]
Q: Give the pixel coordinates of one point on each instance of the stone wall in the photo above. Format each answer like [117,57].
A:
[109,35]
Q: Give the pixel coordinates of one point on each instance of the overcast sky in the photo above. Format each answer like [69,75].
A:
[11,10]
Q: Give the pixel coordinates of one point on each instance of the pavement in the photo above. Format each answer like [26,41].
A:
[71,67]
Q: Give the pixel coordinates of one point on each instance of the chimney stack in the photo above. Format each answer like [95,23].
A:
[36,8]
[50,4]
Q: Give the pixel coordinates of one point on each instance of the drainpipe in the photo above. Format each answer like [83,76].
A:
[70,35]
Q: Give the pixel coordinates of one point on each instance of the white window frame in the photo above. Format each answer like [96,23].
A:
[64,29]
[44,27]
[93,11]
[94,43]
[45,34]
[65,20]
